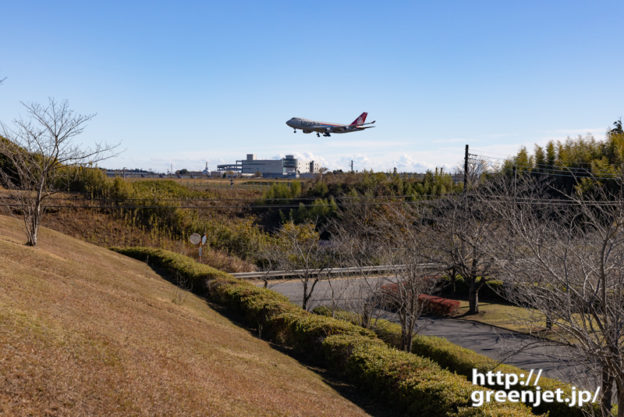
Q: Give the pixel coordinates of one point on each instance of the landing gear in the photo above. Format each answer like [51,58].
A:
[295,131]
[318,135]
[326,134]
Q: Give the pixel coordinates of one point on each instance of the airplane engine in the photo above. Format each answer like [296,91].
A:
[307,131]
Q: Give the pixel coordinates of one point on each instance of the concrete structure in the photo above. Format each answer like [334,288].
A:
[287,167]
[264,167]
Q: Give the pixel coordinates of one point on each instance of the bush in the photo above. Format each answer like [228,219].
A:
[91,182]
[438,305]
[413,383]
[493,290]
[323,311]
[279,320]
[459,359]
[175,264]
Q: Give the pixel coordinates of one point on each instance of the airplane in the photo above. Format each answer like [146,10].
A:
[309,126]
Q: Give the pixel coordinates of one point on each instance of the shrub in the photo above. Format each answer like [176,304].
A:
[415,384]
[323,311]
[459,359]
[493,290]
[91,182]
[438,305]
[172,263]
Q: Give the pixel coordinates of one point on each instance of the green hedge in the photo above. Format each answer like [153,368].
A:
[458,359]
[414,384]
[174,264]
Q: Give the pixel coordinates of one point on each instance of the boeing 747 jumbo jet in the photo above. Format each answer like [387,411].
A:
[309,126]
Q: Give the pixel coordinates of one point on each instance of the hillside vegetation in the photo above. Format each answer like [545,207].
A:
[85,331]
[238,218]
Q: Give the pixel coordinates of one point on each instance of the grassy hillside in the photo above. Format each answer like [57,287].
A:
[85,331]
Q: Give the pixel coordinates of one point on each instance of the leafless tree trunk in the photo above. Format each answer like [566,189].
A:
[36,151]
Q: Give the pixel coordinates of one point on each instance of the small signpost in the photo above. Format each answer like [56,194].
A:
[197,239]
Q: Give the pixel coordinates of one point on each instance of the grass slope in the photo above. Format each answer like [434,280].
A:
[85,331]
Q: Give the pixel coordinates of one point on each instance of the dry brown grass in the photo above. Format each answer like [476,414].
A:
[85,331]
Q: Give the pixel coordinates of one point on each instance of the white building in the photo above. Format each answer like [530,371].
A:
[270,168]
[264,167]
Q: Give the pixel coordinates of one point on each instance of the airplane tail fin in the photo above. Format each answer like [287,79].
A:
[360,120]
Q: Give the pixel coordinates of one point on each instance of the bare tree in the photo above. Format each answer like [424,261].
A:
[356,236]
[565,259]
[270,257]
[476,170]
[37,150]
[407,244]
[393,233]
[462,228]
[298,248]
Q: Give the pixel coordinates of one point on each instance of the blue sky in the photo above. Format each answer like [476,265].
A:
[187,82]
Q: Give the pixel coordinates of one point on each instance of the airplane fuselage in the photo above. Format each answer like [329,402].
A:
[309,126]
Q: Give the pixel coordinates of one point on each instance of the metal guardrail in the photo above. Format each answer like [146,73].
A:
[327,271]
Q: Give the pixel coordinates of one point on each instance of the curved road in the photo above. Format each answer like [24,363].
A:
[513,348]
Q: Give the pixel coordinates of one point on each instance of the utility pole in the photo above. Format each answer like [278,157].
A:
[352,166]
[466,170]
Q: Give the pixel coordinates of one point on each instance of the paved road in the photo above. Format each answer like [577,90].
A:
[503,345]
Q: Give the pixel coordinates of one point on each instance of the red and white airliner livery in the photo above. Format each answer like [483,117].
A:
[309,126]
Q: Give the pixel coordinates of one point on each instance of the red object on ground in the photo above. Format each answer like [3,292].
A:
[432,304]
[438,305]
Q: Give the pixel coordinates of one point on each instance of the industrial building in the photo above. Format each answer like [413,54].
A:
[287,167]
